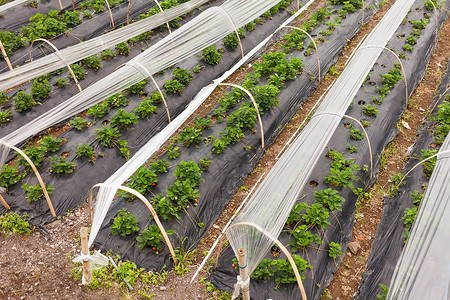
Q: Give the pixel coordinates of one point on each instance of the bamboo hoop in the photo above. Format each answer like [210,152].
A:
[243,271]
[146,202]
[362,19]
[4,203]
[234,27]
[162,11]
[85,250]
[60,4]
[128,12]
[401,66]
[157,87]
[434,106]
[60,57]
[422,161]
[5,56]
[39,178]
[254,104]
[314,42]
[110,13]
[282,248]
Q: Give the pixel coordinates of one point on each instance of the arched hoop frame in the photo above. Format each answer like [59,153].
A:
[128,12]
[60,57]
[254,104]
[311,38]
[5,56]
[162,11]
[110,13]
[157,87]
[362,127]
[234,27]
[399,61]
[146,202]
[422,161]
[39,178]
[282,248]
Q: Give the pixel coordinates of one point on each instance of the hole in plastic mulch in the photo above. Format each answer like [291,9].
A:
[313,183]
[361,102]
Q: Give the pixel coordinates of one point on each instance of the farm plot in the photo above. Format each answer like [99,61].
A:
[401,207]
[378,106]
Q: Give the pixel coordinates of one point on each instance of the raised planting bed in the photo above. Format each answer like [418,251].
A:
[402,206]
[320,226]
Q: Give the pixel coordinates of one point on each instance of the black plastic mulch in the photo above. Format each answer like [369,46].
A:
[389,239]
[381,132]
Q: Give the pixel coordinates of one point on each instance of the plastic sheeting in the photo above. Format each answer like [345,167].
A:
[209,27]
[271,204]
[11,4]
[80,51]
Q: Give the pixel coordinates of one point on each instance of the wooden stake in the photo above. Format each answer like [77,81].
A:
[5,56]
[60,4]
[85,250]
[4,203]
[243,271]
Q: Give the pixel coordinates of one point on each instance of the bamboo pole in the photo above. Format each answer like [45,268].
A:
[234,27]
[146,202]
[5,56]
[128,12]
[85,251]
[243,271]
[60,57]
[39,178]
[162,11]
[110,13]
[60,4]
[4,203]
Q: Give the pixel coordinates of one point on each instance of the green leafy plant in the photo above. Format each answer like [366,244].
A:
[151,238]
[408,219]
[143,181]
[106,135]
[198,69]
[174,86]
[190,135]
[5,117]
[329,198]
[408,47]
[11,42]
[189,171]
[173,152]
[335,250]
[123,119]
[211,56]
[23,101]
[285,274]
[352,149]
[78,70]
[99,110]
[44,26]
[296,214]
[123,148]
[124,223]
[137,88]
[79,123]
[93,62]
[35,154]
[35,192]
[145,109]
[341,171]
[303,238]
[86,151]
[182,75]
[117,100]
[40,90]
[10,176]
[219,146]
[183,191]
[428,166]
[370,110]
[264,270]
[384,292]
[420,24]
[232,41]
[62,82]
[356,134]
[12,222]
[164,208]
[51,143]
[61,166]
[317,215]
[204,163]
[123,48]
[107,54]
[266,97]
[160,166]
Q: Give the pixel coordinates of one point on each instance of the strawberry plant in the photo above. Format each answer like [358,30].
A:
[124,119]
[123,48]
[51,143]
[303,238]
[232,134]
[412,39]
[10,176]
[107,54]
[4,98]
[428,166]
[189,171]
[86,151]
[266,97]
[173,152]
[285,274]
[356,134]
[62,82]
[352,149]
[61,166]
[370,110]
[93,62]
[219,146]
[40,89]
[145,109]
[244,117]
[23,101]
[35,192]
[143,180]
[183,191]
[123,148]
[211,56]
[264,270]
[155,97]
[164,208]
[12,222]
[137,88]
[443,121]
[182,75]
[117,100]
[296,214]
[335,250]
[408,47]
[5,117]
[71,18]
[231,40]
[202,123]
[408,219]
[329,198]
[391,78]
[160,166]
[124,223]
[151,238]
[204,163]
[35,154]
[315,215]
[98,110]
[294,41]
[78,71]
[420,24]
[198,69]
[174,86]
[190,135]
[44,26]
[79,123]
[107,135]
[384,292]
[11,42]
